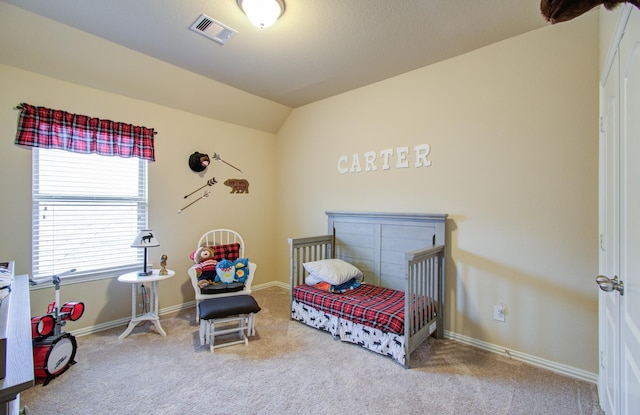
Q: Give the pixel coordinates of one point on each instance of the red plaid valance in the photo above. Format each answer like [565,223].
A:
[47,128]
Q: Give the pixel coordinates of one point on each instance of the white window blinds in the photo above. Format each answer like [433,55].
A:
[87,210]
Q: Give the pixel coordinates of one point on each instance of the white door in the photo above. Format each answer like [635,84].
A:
[608,384]
[619,383]
[630,216]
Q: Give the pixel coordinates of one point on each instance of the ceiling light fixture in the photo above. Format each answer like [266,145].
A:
[262,13]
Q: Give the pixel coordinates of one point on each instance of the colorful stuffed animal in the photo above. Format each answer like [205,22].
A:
[205,266]
[225,272]
[242,269]
[228,271]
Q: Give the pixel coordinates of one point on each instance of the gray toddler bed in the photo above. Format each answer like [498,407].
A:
[399,304]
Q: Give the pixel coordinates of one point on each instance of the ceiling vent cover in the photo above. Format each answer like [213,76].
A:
[213,29]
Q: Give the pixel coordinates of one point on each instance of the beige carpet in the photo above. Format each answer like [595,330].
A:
[289,368]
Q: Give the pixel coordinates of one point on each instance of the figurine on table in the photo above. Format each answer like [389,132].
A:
[163,264]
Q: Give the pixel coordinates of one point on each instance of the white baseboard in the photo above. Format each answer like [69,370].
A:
[269,285]
[527,358]
[513,354]
[124,321]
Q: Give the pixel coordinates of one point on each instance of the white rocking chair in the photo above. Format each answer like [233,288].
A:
[220,311]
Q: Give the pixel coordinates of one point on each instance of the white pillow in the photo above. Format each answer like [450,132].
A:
[334,271]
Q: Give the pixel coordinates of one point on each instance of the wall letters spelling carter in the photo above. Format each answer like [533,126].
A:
[370,158]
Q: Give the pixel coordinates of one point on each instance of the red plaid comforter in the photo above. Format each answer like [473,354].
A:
[369,305]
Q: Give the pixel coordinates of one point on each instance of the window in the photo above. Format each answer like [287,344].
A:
[89,191]
[87,210]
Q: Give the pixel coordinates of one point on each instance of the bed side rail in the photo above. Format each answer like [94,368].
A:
[425,282]
[308,249]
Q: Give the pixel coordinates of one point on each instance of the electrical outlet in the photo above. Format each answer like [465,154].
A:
[498,312]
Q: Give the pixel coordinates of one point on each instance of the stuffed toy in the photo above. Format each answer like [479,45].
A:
[228,271]
[242,269]
[205,266]
[225,272]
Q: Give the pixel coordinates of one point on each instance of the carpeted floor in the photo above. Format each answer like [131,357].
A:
[289,368]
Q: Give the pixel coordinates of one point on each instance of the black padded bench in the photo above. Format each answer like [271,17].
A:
[217,312]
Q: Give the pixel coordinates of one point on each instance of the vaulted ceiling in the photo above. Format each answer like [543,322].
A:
[318,48]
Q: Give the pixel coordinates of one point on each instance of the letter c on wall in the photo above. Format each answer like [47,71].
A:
[342,160]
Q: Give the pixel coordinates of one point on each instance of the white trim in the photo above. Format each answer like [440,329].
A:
[171,309]
[527,358]
[615,41]
[513,354]
[271,284]
[124,321]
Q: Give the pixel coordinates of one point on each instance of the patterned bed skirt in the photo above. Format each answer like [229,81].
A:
[387,344]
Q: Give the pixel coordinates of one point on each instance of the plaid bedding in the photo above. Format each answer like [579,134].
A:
[369,305]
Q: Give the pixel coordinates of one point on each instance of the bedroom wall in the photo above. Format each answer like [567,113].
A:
[179,134]
[513,130]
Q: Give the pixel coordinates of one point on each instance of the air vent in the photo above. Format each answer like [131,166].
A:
[212,29]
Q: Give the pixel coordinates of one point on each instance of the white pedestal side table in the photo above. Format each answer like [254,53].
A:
[151,281]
